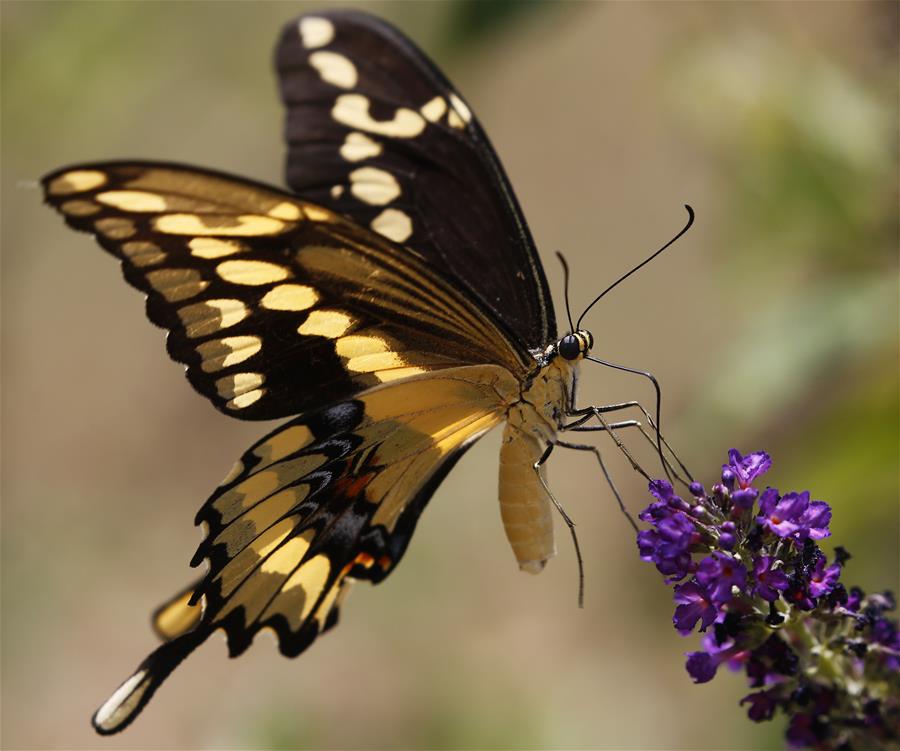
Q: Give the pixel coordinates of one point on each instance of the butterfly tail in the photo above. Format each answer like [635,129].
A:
[129,699]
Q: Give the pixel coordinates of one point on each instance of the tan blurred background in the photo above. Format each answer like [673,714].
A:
[772,325]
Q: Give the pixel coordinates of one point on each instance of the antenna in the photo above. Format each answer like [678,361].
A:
[565,265]
[640,265]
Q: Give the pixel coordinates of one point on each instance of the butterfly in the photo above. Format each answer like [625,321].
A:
[392,304]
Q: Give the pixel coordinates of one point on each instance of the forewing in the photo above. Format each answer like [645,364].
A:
[277,306]
[375,131]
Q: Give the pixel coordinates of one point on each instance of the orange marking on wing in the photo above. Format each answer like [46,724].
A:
[362,559]
[353,487]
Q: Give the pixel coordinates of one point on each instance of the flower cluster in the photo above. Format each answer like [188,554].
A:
[747,573]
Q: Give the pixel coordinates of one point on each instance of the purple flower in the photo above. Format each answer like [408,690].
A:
[668,544]
[747,468]
[729,651]
[694,604]
[726,535]
[663,491]
[762,705]
[753,621]
[720,572]
[743,499]
[822,580]
[854,599]
[815,520]
[666,502]
[781,515]
[768,582]
[728,477]
[700,666]
[793,515]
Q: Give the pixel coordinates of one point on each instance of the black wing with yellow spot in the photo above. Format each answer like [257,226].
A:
[322,501]
[390,306]
[375,131]
[276,305]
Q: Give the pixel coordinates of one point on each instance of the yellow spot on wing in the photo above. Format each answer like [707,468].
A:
[334,69]
[177,284]
[285,559]
[317,214]
[178,617]
[143,253]
[397,373]
[79,208]
[434,109]
[283,444]
[290,297]
[325,606]
[311,577]
[355,346]
[374,186]
[246,494]
[286,210]
[461,111]
[213,247]
[76,181]
[204,318]
[353,110]
[245,400]
[376,361]
[238,383]
[315,31]
[237,569]
[393,224]
[358,146]
[132,200]
[251,273]
[246,225]
[120,706]
[246,528]
[222,353]
[116,228]
[328,323]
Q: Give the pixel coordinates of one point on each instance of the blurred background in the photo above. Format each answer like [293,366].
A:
[771,325]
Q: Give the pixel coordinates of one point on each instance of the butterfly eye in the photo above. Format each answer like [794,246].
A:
[569,347]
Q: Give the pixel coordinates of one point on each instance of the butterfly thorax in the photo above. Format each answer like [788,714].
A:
[531,425]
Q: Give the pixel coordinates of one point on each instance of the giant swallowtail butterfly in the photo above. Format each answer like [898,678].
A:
[392,305]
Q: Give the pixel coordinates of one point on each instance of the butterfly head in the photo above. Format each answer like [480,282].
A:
[575,346]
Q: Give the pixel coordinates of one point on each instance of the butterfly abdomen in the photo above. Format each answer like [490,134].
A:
[525,506]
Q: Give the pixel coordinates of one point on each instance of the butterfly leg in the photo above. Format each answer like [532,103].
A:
[645,374]
[566,518]
[594,412]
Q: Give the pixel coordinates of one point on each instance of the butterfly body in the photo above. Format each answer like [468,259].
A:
[391,306]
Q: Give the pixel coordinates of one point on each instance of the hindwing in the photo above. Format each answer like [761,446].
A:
[375,131]
[276,305]
[323,501]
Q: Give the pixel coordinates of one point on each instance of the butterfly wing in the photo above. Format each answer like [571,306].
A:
[376,132]
[326,499]
[275,305]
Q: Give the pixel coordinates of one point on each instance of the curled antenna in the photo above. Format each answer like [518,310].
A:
[565,265]
[622,278]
